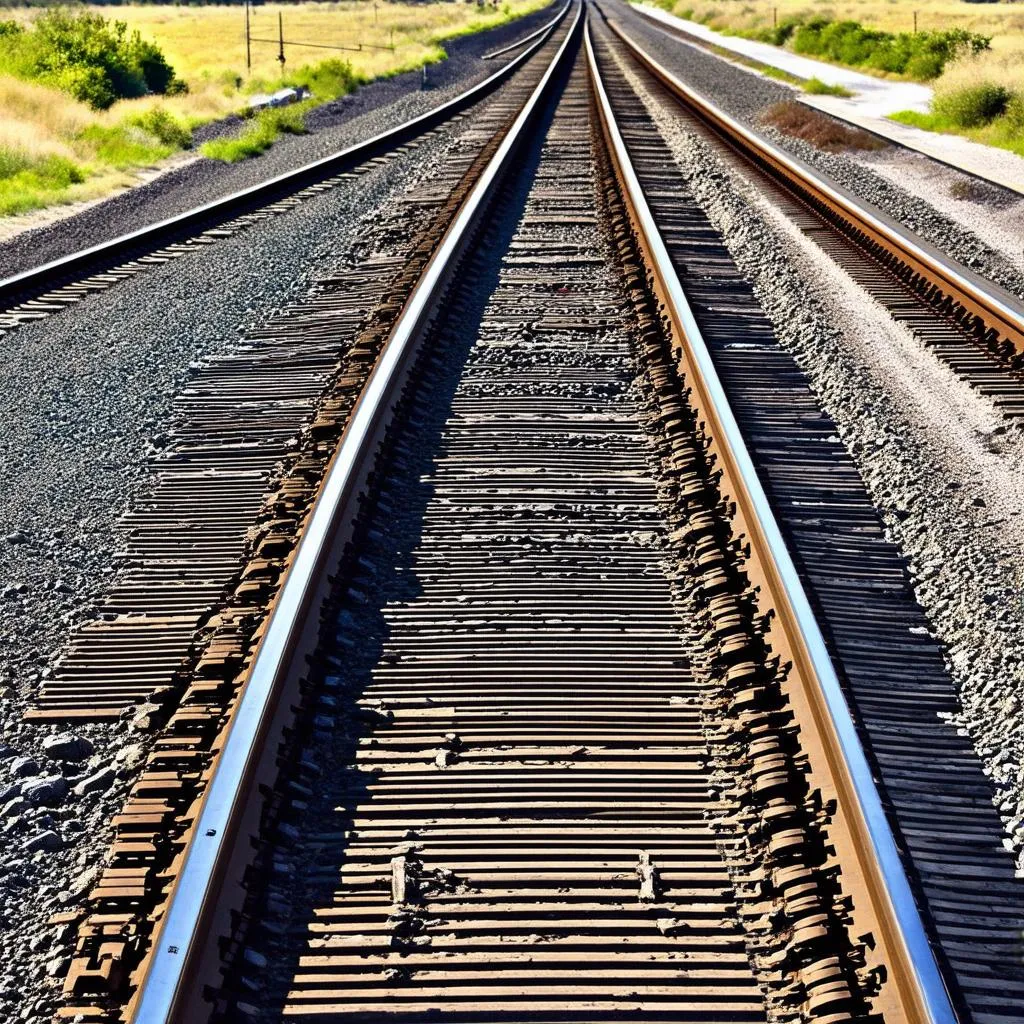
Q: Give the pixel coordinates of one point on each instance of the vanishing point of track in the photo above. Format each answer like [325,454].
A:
[519,711]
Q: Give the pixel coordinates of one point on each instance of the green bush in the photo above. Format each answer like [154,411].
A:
[1014,113]
[94,60]
[164,126]
[779,35]
[924,66]
[973,106]
[327,80]
[921,55]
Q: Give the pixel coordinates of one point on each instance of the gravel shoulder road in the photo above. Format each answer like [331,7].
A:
[903,196]
[374,108]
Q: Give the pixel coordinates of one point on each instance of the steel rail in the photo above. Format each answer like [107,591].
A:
[525,40]
[998,312]
[35,281]
[918,975]
[183,925]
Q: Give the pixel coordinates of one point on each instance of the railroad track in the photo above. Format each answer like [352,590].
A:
[235,426]
[970,323]
[43,291]
[572,746]
[890,667]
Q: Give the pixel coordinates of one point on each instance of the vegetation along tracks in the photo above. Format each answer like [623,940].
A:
[535,719]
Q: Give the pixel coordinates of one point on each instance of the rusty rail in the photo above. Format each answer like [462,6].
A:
[813,684]
[994,313]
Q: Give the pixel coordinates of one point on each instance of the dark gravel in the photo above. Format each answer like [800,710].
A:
[86,397]
[746,96]
[372,109]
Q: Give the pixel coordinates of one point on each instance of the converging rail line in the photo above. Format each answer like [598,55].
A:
[42,291]
[539,724]
[971,323]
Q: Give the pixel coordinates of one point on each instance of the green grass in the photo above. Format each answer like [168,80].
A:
[921,56]
[326,81]
[28,183]
[816,87]
[983,111]
[260,134]
[1001,132]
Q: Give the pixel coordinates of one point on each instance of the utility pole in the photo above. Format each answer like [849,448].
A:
[280,41]
[915,23]
[248,44]
[775,17]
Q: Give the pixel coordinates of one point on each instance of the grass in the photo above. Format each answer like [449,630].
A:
[802,122]
[1003,22]
[1002,133]
[56,149]
[810,85]
[260,134]
[816,87]
[981,99]
[962,83]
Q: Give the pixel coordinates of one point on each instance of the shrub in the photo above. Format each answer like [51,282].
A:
[156,71]
[164,126]
[94,60]
[327,80]
[1014,113]
[973,106]
[921,55]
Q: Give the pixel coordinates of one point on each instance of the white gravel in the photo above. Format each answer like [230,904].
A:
[993,214]
[937,458]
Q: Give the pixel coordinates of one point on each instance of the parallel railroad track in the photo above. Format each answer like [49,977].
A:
[970,323]
[590,759]
[890,667]
[42,291]
[234,429]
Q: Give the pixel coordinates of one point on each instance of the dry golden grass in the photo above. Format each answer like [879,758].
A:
[206,46]
[1003,21]
[1001,66]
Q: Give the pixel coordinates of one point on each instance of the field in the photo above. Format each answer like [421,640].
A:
[56,149]
[981,97]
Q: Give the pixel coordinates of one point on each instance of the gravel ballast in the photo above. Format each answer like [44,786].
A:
[88,396]
[943,468]
[747,96]
[372,109]
[938,460]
